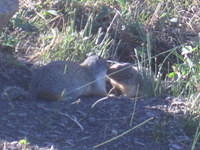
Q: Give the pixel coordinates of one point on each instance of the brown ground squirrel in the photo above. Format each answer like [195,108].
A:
[63,80]
[128,80]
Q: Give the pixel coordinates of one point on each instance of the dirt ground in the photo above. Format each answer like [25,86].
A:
[79,126]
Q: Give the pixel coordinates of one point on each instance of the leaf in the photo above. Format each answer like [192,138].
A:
[53,12]
[189,62]
[50,12]
[171,75]
[23,141]
[179,56]
[187,50]
[122,2]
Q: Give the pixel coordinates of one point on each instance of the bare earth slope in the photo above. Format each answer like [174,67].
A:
[78,126]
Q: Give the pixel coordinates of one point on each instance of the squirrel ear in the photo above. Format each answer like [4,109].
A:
[111,62]
[90,54]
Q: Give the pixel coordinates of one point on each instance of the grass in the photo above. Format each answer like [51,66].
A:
[158,35]
[196,137]
[78,28]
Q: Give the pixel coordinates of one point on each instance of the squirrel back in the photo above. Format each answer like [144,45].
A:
[63,80]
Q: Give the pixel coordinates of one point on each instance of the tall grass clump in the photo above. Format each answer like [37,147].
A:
[60,30]
[185,76]
[73,44]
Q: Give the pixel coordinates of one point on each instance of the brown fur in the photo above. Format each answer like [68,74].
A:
[63,80]
[126,80]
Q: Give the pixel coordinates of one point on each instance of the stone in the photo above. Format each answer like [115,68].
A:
[7,10]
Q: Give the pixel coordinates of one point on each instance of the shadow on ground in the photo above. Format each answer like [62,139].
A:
[78,126]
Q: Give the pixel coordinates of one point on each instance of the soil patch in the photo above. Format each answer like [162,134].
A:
[78,126]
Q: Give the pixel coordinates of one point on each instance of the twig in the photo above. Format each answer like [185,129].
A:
[99,100]
[74,119]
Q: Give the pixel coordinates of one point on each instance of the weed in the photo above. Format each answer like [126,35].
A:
[186,75]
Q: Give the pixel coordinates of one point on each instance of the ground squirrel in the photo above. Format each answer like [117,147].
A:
[63,80]
[128,80]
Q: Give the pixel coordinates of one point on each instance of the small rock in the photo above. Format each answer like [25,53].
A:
[176,147]
[151,114]
[114,132]
[92,120]
[173,20]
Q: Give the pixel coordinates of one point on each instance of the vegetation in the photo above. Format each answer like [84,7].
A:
[159,35]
